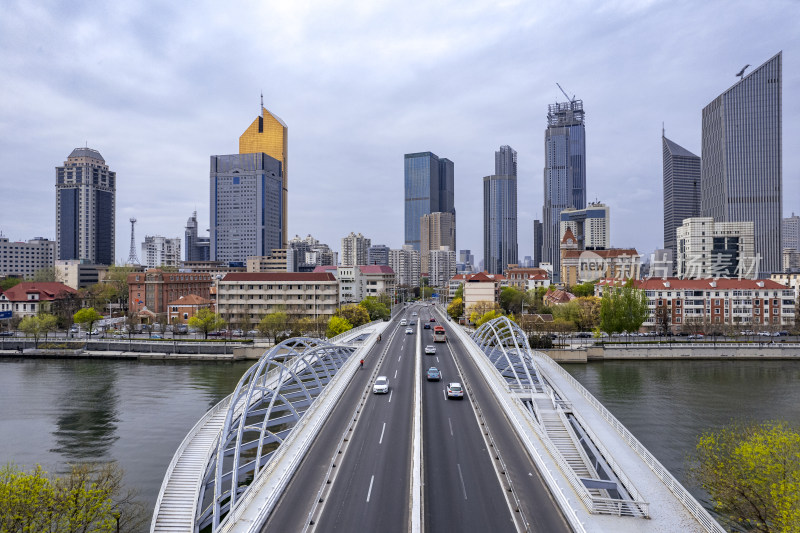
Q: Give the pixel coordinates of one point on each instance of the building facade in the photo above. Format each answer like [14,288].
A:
[564,172]
[742,159]
[197,248]
[378,254]
[23,259]
[682,193]
[30,298]
[155,289]
[86,192]
[161,251]
[437,230]
[429,187]
[591,226]
[537,242]
[499,222]
[354,249]
[441,266]
[79,274]
[481,289]
[185,307]
[709,249]
[405,263]
[525,279]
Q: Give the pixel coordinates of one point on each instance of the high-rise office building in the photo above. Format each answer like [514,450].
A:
[681,190]
[378,254]
[197,247]
[86,193]
[505,161]
[161,251]
[429,188]
[591,226]
[437,230]
[741,166]
[537,242]
[354,250]
[564,172]
[269,134]
[790,232]
[709,249]
[499,222]
[246,206]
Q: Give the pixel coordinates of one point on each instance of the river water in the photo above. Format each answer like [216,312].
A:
[54,412]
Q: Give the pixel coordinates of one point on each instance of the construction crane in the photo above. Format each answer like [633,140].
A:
[571,100]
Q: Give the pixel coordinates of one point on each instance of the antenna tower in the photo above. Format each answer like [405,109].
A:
[132,259]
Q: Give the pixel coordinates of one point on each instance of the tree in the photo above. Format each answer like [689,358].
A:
[87,316]
[38,325]
[89,498]
[338,325]
[206,320]
[273,324]
[47,274]
[583,289]
[355,314]
[376,309]
[456,308]
[459,292]
[9,282]
[486,317]
[623,308]
[511,300]
[752,473]
[481,308]
[588,312]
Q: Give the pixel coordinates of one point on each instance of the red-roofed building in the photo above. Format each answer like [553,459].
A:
[558,297]
[714,305]
[481,287]
[525,279]
[579,266]
[244,298]
[185,307]
[31,297]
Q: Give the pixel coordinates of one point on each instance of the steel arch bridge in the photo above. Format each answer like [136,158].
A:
[506,346]
[266,405]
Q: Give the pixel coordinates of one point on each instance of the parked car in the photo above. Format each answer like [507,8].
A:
[6,333]
[430,349]
[156,336]
[454,390]
[381,385]
[215,334]
[434,374]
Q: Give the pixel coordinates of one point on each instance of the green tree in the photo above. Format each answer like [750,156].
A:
[459,292]
[511,300]
[752,473]
[338,325]
[206,320]
[376,309]
[623,308]
[9,282]
[38,325]
[486,317]
[456,308]
[583,289]
[47,274]
[355,314]
[87,316]
[273,324]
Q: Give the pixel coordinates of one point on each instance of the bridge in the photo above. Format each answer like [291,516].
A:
[302,444]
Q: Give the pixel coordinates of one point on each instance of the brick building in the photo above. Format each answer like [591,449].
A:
[185,307]
[155,289]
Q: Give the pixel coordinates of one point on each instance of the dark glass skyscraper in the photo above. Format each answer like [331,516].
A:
[681,190]
[429,188]
[500,214]
[741,165]
[564,173]
[86,193]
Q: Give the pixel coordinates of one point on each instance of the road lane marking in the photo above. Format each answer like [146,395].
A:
[444,395]
[398,359]
[451,426]
[395,374]
[373,479]
[437,358]
[463,487]
[384,429]
[390,396]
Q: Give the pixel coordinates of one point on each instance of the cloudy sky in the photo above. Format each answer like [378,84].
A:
[157,87]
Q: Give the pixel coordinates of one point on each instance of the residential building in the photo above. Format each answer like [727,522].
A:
[277,261]
[354,249]
[405,263]
[713,305]
[742,159]
[160,251]
[682,192]
[791,260]
[23,259]
[86,193]
[358,282]
[481,289]
[303,255]
[378,254]
[185,307]
[710,249]
[579,266]
[441,266]
[564,172]
[437,230]
[790,232]
[499,222]
[591,226]
[268,134]
[244,299]
[429,188]
[79,274]
[154,289]
[788,279]
[197,248]
[30,298]
[525,279]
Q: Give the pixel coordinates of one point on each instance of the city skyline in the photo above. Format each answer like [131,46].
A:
[146,102]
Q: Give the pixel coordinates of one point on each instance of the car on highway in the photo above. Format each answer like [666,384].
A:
[381,385]
[404,322]
[426,326]
[434,374]
[432,320]
[409,331]
[430,349]
[414,313]
[454,390]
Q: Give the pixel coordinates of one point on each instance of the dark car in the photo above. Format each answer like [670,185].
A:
[216,333]
[6,333]
[434,374]
[433,319]
[426,326]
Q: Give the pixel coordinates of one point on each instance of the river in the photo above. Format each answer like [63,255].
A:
[54,412]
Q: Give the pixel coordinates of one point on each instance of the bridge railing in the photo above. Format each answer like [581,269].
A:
[700,514]
[340,336]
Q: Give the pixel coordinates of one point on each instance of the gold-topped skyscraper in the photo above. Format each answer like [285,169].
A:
[270,135]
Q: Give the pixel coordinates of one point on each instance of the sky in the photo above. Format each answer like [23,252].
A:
[158,87]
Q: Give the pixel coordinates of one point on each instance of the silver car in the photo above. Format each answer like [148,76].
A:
[381,385]
[409,331]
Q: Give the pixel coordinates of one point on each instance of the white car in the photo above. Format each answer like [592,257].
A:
[404,322]
[430,349]
[381,385]
[409,331]
[454,390]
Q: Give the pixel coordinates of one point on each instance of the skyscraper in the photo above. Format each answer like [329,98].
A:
[429,188]
[246,206]
[537,242]
[354,250]
[269,134]
[437,230]
[681,189]
[86,193]
[505,161]
[741,165]
[499,222]
[197,247]
[564,172]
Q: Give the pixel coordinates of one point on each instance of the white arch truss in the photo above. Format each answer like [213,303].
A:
[269,400]
[506,346]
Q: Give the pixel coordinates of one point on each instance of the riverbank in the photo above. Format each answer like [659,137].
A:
[164,351]
[684,351]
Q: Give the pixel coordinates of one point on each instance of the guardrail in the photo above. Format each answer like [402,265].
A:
[688,501]
[340,336]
